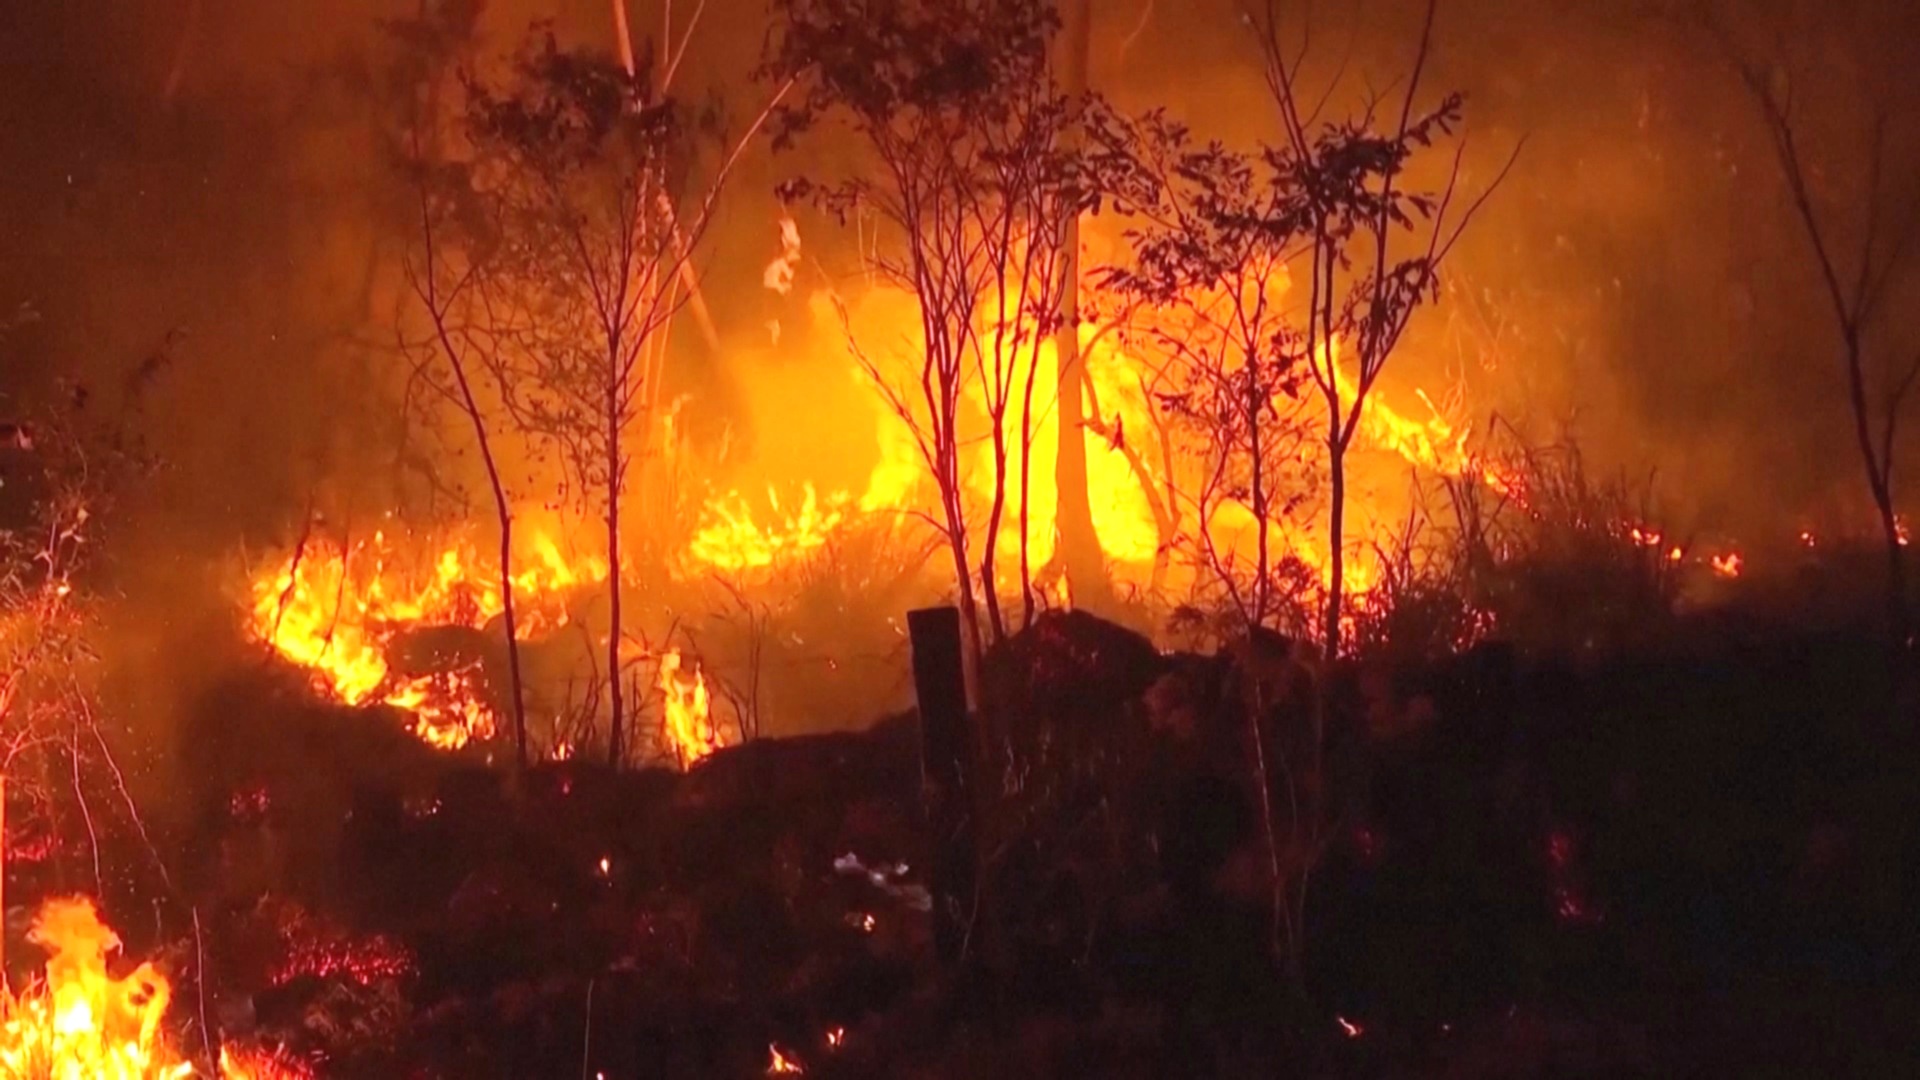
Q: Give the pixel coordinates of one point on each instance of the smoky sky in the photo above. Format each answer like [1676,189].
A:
[204,173]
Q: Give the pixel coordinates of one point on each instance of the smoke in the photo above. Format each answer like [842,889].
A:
[208,183]
[1638,282]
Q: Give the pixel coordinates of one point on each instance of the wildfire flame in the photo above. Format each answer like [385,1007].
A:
[733,540]
[259,1065]
[80,1023]
[690,731]
[333,609]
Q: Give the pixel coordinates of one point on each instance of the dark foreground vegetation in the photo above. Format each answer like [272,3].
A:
[1685,859]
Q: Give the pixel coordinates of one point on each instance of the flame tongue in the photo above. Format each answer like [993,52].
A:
[83,1024]
[690,729]
[333,610]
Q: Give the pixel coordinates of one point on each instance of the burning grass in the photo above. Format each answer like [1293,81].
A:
[335,608]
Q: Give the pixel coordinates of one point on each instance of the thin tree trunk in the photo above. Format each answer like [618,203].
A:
[1336,555]
[615,692]
[1261,525]
[3,873]
[1899,618]
[503,511]
[991,545]
[502,505]
[513,635]
[696,300]
[1026,503]
[1879,482]
[950,496]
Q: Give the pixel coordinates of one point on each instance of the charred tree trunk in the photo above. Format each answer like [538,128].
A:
[946,763]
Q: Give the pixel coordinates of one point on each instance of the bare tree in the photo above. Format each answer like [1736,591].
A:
[1859,228]
[1265,267]
[1213,279]
[442,279]
[976,176]
[590,193]
[1367,265]
[66,467]
[464,381]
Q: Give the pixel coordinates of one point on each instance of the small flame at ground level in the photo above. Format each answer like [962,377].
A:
[689,728]
[780,1064]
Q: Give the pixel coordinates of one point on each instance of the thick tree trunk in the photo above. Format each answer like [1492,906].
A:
[1079,554]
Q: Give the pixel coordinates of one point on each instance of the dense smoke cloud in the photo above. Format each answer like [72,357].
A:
[208,181]
[210,171]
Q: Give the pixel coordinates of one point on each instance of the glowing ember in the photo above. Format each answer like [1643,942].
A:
[1352,1030]
[333,611]
[836,1037]
[1570,905]
[361,962]
[249,804]
[1727,566]
[259,1065]
[689,728]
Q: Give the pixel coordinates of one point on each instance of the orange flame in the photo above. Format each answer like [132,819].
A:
[732,540]
[690,731]
[333,611]
[80,1023]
